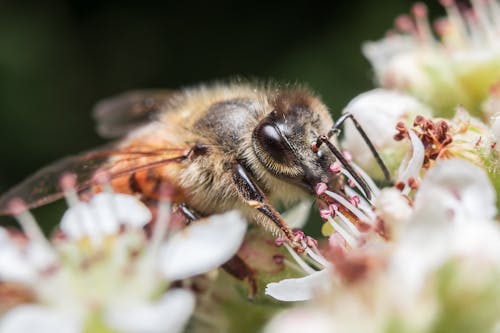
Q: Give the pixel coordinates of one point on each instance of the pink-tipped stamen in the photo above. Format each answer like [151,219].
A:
[363,205]
[335,167]
[422,21]
[18,208]
[103,178]
[483,19]
[320,188]
[68,183]
[354,200]
[317,258]
[346,222]
[453,13]
[347,155]
[279,241]
[353,183]
[371,184]
[344,233]
[405,24]
[160,228]
[307,269]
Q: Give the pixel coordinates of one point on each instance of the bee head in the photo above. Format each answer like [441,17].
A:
[282,140]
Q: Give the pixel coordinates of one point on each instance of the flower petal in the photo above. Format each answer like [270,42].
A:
[465,191]
[301,320]
[22,263]
[169,314]
[203,246]
[32,318]
[300,289]
[103,215]
[378,111]
[411,168]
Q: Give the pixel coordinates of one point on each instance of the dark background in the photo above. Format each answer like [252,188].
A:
[57,58]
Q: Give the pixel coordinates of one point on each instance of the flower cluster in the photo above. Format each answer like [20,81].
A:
[456,65]
[417,253]
[423,254]
[109,267]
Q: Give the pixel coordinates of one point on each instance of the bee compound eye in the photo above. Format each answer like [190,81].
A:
[272,142]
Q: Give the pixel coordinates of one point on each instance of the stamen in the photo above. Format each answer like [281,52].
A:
[423,27]
[335,167]
[353,182]
[330,212]
[455,18]
[484,21]
[373,187]
[103,178]
[299,260]
[68,186]
[349,225]
[358,213]
[18,208]
[344,233]
[364,205]
[160,227]
[354,200]
[317,257]
[404,24]
[320,188]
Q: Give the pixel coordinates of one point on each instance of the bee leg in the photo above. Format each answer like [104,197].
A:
[255,198]
[188,213]
[239,269]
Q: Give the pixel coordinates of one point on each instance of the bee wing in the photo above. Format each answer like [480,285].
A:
[43,187]
[118,115]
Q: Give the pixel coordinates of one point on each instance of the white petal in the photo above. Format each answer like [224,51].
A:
[296,217]
[127,209]
[14,266]
[300,289]
[411,168]
[392,208]
[453,218]
[465,190]
[32,318]
[203,246]
[301,320]
[103,215]
[169,314]
[378,111]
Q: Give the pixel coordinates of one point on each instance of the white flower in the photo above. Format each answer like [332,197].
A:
[106,273]
[459,69]
[453,217]
[378,111]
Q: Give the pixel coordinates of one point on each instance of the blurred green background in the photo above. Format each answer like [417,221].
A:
[57,58]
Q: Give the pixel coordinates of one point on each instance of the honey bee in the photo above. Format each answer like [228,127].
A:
[221,147]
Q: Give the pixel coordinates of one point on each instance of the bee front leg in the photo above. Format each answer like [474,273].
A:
[255,198]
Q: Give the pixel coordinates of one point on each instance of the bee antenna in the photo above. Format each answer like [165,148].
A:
[335,130]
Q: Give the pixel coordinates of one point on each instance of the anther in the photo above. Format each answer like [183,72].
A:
[103,179]
[399,185]
[279,241]
[335,167]
[320,188]
[68,183]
